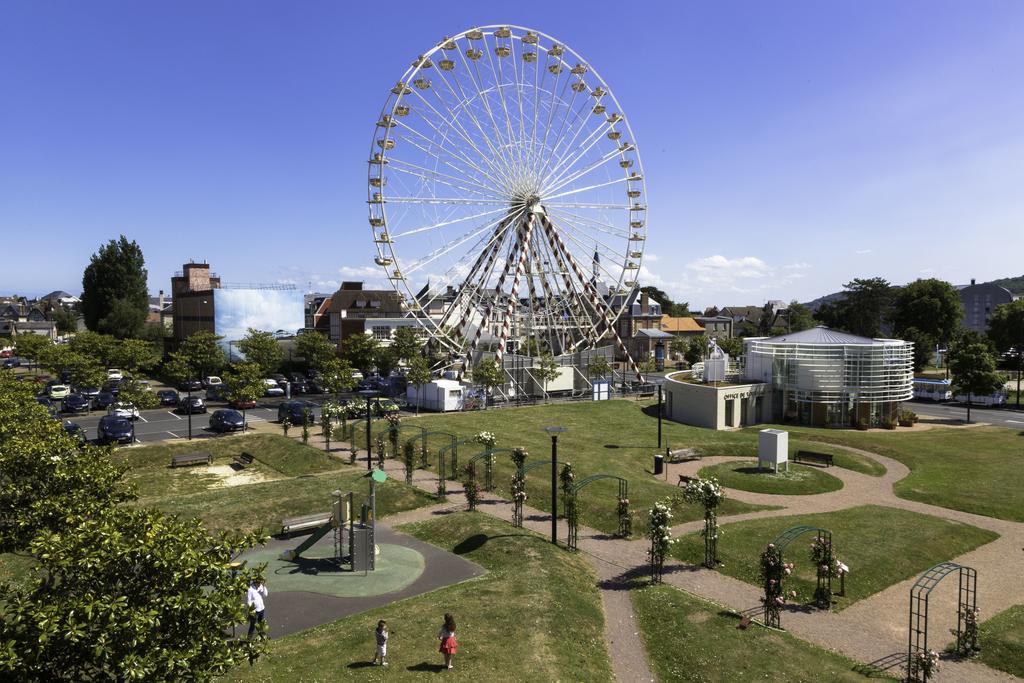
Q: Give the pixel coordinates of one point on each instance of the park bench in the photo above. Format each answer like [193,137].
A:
[187,459]
[294,525]
[810,456]
[684,480]
[243,459]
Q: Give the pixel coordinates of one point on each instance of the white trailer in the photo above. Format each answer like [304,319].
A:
[441,395]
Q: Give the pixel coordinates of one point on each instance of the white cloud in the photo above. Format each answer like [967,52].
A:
[719,270]
[651,257]
[799,265]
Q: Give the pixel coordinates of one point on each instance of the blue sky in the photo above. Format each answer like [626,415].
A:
[788,147]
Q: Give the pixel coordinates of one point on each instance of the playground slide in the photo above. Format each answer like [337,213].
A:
[318,533]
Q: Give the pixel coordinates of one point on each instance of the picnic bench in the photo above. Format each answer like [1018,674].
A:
[684,480]
[810,456]
[294,525]
[188,459]
[243,459]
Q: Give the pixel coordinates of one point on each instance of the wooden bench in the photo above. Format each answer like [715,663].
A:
[684,480]
[810,456]
[243,459]
[294,525]
[187,459]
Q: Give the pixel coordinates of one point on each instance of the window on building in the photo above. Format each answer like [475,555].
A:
[381,332]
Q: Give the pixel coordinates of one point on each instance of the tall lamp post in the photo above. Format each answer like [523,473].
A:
[660,404]
[554,432]
[367,394]
[188,401]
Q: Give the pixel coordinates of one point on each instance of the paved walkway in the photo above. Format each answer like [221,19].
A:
[872,631]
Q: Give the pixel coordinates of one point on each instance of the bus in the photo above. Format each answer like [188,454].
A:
[927,389]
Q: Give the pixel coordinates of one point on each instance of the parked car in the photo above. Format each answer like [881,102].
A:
[58,392]
[273,388]
[224,420]
[300,386]
[12,363]
[168,397]
[215,392]
[243,405]
[296,377]
[65,377]
[383,406]
[76,403]
[89,392]
[279,378]
[212,381]
[112,386]
[190,385]
[6,353]
[295,410]
[114,429]
[314,387]
[192,404]
[125,410]
[103,400]
[75,431]
[114,373]
[43,400]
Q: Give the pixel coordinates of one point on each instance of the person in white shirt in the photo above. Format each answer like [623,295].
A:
[254,598]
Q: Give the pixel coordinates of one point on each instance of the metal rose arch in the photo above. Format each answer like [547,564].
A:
[506,196]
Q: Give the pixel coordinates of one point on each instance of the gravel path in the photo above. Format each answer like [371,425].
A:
[872,631]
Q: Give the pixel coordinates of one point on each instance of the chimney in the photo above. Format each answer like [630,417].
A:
[160,300]
[972,280]
[645,304]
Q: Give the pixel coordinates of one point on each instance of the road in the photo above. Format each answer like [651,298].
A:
[1011,419]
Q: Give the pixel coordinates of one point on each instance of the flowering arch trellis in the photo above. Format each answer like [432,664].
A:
[523,470]
[774,569]
[453,440]
[922,662]
[488,458]
[709,495]
[572,511]
[450,451]
[518,487]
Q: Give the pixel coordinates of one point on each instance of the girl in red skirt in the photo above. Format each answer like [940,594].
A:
[447,637]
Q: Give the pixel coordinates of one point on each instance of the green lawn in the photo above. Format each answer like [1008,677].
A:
[800,480]
[689,639]
[1002,641]
[291,480]
[979,470]
[613,437]
[509,628]
[14,568]
[881,546]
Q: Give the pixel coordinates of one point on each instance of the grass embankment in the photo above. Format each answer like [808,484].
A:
[881,546]
[611,437]
[509,628]
[688,639]
[979,470]
[287,479]
[800,480]
[1002,641]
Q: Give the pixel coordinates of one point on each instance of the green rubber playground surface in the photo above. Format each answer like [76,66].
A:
[315,572]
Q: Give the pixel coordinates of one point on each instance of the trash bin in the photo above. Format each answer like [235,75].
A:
[659,463]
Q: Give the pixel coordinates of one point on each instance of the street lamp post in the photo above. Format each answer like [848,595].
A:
[660,404]
[554,432]
[367,394]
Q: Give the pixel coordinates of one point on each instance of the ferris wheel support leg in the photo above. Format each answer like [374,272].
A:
[514,292]
[595,300]
[485,259]
[487,313]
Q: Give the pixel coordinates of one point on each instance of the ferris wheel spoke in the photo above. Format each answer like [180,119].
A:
[452,221]
[606,228]
[567,175]
[499,86]
[474,74]
[573,152]
[444,200]
[447,248]
[565,223]
[569,109]
[451,152]
[585,189]
[612,277]
[587,205]
[435,176]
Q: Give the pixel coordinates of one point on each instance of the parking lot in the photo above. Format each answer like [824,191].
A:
[162,423]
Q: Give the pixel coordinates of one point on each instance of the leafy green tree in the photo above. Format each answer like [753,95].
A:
[767,320]
[262,349]
[336,376]
[800,317]
[65,319]
[136,354]
[599,367]
[130,390]
[696,348]
[31,346]
[203,354]
[54,357]
[418,376]
[924,345]
[360,350]
[85,371]
[488,375]
[973,370]
[731,345]
[932,307]
[546,370]
[865,307]
[406,344]
[315,348]
[115,298]
[385,359]
[1006,330]
[100,347]
[244,383]
[177,368]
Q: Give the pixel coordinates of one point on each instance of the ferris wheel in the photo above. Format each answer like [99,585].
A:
[506,195]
